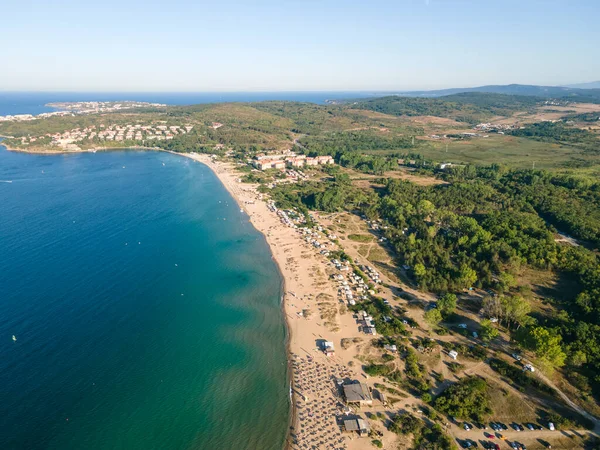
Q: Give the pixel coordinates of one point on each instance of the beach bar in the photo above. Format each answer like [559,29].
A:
[357,392]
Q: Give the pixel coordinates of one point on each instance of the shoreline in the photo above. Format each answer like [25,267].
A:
[306,289]
[89,150]
[224,178]
[207,161]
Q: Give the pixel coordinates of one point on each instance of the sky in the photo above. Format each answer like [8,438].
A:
[304,45]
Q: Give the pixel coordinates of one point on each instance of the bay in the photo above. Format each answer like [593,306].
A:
[146,308]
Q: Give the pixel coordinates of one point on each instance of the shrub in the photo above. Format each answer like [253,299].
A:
[467,399]
[406,424]
[376,370]
[517,375]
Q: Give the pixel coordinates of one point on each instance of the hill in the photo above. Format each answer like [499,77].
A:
[580,94]
[469,107]
[367,133]
[590,85]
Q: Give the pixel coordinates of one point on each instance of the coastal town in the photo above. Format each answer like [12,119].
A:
[139,134]
[73,108]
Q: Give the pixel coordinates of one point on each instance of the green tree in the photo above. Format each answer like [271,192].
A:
[425,208]
[467,276]
[467,399]
[447,304]
[420,270]
[516,310]
[433,316]
[406,424]
[546,343]
[488,331]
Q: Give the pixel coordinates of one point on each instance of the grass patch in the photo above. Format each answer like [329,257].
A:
[360,237]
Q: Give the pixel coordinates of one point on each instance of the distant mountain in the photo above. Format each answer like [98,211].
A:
[555,92]
[591,85]
[469,107]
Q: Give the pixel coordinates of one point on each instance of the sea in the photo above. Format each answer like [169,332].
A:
[139,308]
[35,102]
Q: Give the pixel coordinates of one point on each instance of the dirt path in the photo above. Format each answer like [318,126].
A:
[569,402]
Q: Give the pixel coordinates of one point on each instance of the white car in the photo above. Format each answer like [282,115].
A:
[551,426]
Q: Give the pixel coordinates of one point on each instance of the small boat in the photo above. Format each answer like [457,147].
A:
[163,164]
[5,181]
[14,338]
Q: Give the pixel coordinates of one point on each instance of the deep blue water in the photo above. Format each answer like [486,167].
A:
[33,102]
[146,308]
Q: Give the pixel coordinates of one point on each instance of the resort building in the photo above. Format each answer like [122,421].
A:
[297,161]
[264,162]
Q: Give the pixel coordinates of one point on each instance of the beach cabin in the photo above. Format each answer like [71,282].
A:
[328,348]
[357,425]
[370,330]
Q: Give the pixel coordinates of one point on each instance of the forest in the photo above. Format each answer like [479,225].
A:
[471,107]
[560,133]
[481,230]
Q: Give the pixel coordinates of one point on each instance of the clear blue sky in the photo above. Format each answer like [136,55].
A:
[271,45]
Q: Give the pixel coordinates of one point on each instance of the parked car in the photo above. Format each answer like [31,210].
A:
[517,356]
[531,426]
[515,426]
[466,426]
[551,426]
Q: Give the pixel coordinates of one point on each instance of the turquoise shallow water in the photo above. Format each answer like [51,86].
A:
[146,308]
